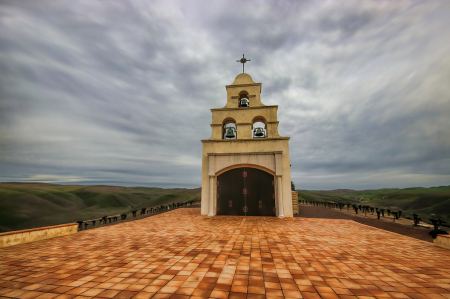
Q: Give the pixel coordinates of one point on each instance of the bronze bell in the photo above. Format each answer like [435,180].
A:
[259,132]
[230,133]
[244,102]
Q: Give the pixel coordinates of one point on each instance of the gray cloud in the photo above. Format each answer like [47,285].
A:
[119,92]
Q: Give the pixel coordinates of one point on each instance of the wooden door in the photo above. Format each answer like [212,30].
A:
[245,191]
[230,197]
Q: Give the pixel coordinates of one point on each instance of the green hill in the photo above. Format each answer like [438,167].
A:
[30,205]
[427,200]
[418,200]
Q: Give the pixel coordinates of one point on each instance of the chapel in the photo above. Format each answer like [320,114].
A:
[245,163]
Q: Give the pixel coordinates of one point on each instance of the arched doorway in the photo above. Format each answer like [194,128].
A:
[245,191]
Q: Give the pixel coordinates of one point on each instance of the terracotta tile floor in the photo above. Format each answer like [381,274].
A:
[181,254]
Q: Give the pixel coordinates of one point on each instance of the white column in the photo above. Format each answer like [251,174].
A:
[211,196]
[211,173]
[279,174]
[280,197]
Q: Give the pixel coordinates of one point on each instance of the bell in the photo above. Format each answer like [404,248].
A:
[244,102]
[259,132]
[230,133]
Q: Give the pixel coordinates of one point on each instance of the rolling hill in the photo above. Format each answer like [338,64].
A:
[418,200]
[31,205]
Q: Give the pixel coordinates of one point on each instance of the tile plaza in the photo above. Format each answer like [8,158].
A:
[181,254]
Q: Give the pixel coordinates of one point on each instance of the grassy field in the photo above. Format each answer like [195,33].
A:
[421,201]
[30,205]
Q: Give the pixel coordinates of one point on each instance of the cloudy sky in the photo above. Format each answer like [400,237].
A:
[119,92]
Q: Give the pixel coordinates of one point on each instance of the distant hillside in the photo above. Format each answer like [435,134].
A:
[30,205]
[421,201]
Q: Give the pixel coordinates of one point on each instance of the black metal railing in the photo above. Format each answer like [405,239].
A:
[435,220]
[152,210]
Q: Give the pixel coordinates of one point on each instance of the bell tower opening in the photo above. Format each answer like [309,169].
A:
[259,129]
[229,129]
[243,99]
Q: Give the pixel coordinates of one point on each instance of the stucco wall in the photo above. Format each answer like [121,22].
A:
[36,234]
[223,162]
[244,120]
[253,90]
[247,146]
[442,241]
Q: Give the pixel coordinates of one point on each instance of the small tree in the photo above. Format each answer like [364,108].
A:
[292,186]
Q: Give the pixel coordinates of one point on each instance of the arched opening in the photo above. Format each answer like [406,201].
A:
[269,171]
[243,99]
[259,128]
[229,130]
[245,191]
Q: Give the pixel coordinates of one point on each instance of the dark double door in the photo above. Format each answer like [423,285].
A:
[245,191]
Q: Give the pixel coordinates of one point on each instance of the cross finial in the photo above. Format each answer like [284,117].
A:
[243,60]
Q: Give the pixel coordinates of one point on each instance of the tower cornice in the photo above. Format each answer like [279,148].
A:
[245,140]
[242,85]
[244,108]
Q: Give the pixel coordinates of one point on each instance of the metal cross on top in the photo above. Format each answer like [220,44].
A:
[243,60]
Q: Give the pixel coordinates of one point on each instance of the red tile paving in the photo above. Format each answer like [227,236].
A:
[181,254]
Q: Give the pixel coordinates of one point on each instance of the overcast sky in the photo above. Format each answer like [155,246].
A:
[119,92]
